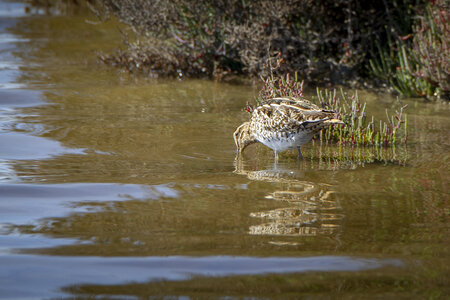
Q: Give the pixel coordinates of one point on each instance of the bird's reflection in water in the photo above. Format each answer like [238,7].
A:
[306,208]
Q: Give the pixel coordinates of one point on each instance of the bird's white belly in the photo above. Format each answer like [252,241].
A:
[281,141]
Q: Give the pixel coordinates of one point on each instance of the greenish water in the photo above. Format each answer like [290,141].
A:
[118,186]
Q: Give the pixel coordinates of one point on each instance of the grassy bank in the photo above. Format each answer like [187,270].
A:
[402,44]
[399,44]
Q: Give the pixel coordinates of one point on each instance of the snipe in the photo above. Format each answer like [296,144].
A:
[283,123]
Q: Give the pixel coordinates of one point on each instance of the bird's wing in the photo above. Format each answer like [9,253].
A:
[288,117]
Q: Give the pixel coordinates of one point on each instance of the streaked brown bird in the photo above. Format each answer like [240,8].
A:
[283,123]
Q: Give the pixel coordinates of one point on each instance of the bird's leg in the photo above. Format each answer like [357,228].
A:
[276,156]
[300,156]
[275,162]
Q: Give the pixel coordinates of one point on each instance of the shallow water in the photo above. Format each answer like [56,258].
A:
[119,186]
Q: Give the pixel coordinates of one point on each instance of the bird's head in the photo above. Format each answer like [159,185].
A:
[243,137]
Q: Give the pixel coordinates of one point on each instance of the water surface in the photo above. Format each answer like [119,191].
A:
[114,185]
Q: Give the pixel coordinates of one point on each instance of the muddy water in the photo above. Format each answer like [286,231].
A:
[120,186]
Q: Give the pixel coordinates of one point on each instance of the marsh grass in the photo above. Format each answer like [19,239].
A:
[360,129]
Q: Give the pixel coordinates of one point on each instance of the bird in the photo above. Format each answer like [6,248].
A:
[283,123]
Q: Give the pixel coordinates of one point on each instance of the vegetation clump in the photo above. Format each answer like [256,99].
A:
[359,129]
